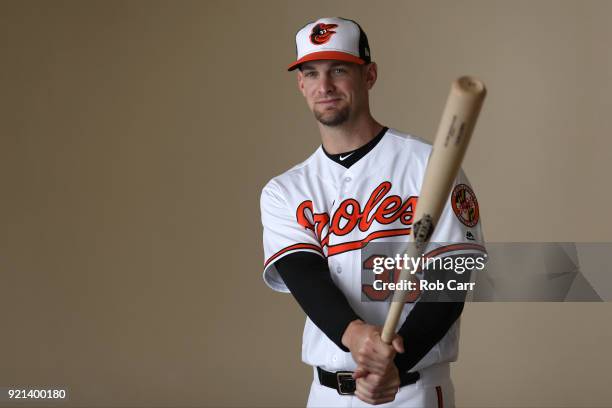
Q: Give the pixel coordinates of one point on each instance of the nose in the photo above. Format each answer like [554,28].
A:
[325,85]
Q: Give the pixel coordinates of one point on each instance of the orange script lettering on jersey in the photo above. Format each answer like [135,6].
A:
[381,207]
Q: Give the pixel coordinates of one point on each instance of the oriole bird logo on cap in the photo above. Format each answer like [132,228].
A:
[321,33]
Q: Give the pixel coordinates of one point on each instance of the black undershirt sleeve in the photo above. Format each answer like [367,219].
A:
[424,327]
[308,278]
[429,321]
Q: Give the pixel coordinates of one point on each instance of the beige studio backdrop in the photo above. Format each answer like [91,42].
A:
[135,138]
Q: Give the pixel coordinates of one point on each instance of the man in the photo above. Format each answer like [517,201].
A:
[360,186]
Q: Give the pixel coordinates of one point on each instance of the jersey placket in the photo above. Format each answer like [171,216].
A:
[337,263]
[344,192]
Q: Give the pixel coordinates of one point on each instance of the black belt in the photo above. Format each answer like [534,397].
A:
[343,382]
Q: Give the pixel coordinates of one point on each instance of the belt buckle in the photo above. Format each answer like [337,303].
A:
[346,383]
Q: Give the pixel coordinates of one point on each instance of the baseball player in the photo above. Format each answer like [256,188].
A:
[361,185]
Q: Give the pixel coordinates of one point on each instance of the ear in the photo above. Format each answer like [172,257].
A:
[371,74]
[300,81]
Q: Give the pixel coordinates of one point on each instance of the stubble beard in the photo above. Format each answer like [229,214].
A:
[333,118]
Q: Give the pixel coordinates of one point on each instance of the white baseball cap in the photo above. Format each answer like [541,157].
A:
[334,38]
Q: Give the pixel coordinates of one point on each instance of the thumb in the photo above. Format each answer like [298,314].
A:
[359,373]
[398,344]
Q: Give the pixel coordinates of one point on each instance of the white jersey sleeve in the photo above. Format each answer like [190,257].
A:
[282,234]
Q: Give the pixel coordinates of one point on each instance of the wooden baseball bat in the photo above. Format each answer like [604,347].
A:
[456,125]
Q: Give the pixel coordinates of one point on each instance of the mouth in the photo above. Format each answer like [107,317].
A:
[328,101]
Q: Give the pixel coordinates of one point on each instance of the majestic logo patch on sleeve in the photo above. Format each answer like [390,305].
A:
[465,205]
[321,33]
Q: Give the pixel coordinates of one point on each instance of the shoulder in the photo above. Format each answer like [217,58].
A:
[405,141]
[418,149]
[403,149]
[279,185]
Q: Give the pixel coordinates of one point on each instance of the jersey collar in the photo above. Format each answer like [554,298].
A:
[347,159]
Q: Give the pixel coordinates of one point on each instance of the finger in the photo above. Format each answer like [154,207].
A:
[382,350]
[363,367]
[384,400]
[398,344]
[373,382]
[364,386]
[360,373]
[374,344]
[392,389]
[372,365]
[369,397]
[388,394]
[383,368]
[375,354]
[377,358]
[374,401]
[366,389]
[375,396]
[364,397]
[377,369]
[376,383]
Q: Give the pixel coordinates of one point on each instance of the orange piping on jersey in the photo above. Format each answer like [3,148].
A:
[454,247]
[350,246]
[353,245]
[440,398]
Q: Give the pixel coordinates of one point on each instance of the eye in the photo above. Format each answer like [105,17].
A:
[309,74]
[339,70]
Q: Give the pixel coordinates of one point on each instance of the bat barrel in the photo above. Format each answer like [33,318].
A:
[450,144]
[470,85]
[452,138]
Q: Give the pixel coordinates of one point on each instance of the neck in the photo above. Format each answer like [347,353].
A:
[349,136]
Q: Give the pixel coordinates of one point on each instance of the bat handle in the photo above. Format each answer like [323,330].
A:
[393,316]
[422,231]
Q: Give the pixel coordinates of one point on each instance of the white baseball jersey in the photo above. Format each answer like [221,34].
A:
[320,206]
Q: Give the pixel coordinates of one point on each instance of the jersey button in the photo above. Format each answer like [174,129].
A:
[347,179]
[339,269]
